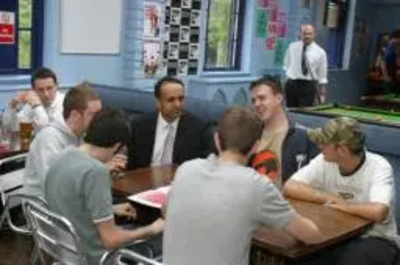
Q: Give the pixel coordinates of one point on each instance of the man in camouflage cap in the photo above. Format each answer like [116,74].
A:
[348,178]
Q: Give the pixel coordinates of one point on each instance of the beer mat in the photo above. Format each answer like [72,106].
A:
[153,198]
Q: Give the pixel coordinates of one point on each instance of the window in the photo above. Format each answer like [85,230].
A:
[24,34]
[224,35]
[25,53]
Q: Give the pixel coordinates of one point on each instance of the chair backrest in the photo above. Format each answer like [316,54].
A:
[10,201]
[125,256]
[54,235]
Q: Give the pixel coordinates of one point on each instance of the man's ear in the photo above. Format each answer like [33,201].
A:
[343,150]
[279,97]
[217,142]
[158,104]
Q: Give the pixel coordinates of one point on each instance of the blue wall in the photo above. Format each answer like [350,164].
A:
[104,69]
[347,86]
[123,70]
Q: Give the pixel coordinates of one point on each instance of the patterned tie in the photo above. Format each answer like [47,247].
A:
[166,157]
[304,67]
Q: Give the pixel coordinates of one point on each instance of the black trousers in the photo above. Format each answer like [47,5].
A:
[364,250]
[300,93]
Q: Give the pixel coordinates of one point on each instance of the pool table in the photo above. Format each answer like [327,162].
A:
[386,102]
[364,115]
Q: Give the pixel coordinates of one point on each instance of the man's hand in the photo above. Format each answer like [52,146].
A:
[322,94]
[18,98]
[32,98]
[158,226]
[117,164]
[125,210]
[387,78]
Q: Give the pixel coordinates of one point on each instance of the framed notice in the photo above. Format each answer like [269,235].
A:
[181,37]
[7,28]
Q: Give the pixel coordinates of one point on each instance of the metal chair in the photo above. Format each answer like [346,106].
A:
[124,256]
[25,229]
[54,235]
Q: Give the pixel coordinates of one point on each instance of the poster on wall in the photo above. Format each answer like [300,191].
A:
[7,28]
[262,19]
[151,58]
[151,23]
[270,44]
[280,50]
[181,42]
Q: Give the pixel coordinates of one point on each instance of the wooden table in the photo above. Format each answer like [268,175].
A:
[267,247]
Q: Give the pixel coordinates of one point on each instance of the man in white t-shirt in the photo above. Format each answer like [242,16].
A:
[40,105]
[350,179]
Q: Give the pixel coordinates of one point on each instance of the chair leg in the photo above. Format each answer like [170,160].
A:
[3,217]
[34,255]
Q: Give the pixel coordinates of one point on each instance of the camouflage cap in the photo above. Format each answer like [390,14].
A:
[342,130]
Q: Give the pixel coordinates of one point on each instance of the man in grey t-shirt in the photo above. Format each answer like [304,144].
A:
[78,187]
[216,204]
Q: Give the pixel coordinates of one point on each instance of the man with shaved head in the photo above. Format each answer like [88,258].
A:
[306,70]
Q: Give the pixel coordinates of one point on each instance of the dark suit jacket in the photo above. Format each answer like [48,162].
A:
[193,139]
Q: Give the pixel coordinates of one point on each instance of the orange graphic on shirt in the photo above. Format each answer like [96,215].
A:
[265,163]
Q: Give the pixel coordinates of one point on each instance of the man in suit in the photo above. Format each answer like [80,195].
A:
[170,135]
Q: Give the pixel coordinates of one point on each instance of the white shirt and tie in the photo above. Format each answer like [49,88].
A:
[316,61]
[164,141]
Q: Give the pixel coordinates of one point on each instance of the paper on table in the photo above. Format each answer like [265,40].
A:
[153,198]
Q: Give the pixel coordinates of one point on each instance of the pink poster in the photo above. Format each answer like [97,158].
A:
[272,29]
[273,4]
[270,44]
[263,3]
[274,15]
[281,29]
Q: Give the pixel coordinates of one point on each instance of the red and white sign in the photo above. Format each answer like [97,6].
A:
[7,27]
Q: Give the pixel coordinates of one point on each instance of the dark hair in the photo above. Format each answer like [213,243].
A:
[238,129]
[267,81]
[43,73]
[395,34]
[162,81]
[107,128]
[78,97]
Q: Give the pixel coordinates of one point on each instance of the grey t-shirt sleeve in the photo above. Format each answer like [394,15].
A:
[275,212]
[97,193]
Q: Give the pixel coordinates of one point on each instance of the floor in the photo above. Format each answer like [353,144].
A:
[14,249]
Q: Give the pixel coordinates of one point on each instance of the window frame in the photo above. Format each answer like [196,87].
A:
[238,7]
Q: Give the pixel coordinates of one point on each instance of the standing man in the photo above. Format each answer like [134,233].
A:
[80,105]
[284,146]
[391,63]
[40,105]
[170,135]
[350,179]
[306,70]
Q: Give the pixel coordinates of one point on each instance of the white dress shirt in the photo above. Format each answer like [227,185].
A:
[161,135]
[39,115]
[317,62]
